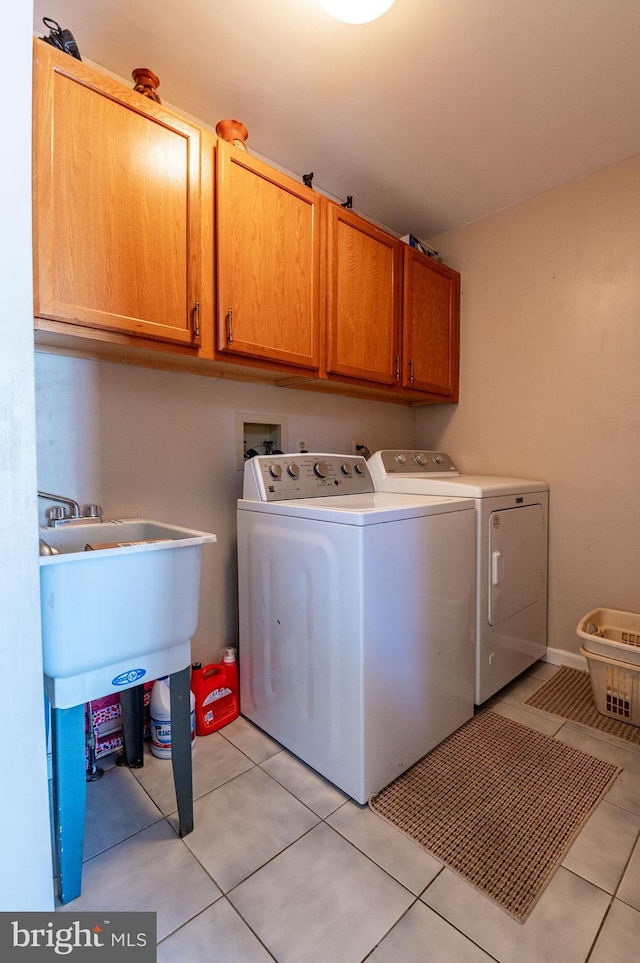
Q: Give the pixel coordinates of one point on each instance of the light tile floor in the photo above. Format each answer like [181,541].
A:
[283,866]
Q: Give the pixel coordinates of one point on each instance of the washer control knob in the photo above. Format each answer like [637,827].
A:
[358,468]
[321,469]
[275,470]
[421,458]
[401,459]
[293,471]
[439,460]
[345,468]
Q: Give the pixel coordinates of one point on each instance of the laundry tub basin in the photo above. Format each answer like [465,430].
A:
[119,605]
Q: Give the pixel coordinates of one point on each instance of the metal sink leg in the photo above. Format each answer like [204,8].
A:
[132,706]
[69,797]
[180,702]
[69,782]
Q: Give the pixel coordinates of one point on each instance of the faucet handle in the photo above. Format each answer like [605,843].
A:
[55,513]
[93,511]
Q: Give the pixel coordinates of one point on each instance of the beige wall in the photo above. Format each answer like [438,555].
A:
[550,377]
[163,445]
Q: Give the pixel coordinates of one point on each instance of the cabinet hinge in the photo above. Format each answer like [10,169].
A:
[196,321]
[230,326]
[397,367]
[411,371]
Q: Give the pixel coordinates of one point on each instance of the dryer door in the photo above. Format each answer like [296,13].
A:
[516,560]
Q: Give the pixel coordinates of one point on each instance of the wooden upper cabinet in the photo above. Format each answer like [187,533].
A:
[268,263]
[116,205]
[363,293]
[431,334]
[151,233]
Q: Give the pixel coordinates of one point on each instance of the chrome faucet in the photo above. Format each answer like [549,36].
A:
[58,516]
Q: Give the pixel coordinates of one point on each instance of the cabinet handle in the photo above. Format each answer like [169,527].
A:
[411,371]
[230,326]
[196,321]
[397,367]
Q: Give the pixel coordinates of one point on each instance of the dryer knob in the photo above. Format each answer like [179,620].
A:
[401,459]
[358,469]
[421,459]
[345,468]
[321,469]
[293,471]
[275,471]
[439,460]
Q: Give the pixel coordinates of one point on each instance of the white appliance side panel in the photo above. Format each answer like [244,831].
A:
[356,644]
[419,640]
[300,640]
[516,560]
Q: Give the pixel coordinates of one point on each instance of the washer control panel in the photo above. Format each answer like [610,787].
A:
[270,478]
[397,461]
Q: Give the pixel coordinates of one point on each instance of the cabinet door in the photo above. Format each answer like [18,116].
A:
[363,287]
[431,326]
[116,205]
[268,262]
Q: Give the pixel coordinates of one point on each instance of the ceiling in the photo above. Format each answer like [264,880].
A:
[438,113]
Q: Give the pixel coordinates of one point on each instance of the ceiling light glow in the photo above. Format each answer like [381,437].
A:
[356,11]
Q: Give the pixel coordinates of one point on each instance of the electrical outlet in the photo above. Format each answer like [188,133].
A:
[358,447]
[301,445]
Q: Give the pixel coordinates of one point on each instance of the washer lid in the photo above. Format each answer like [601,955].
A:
[371,508]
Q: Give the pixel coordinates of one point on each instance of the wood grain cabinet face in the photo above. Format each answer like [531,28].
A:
[431,337]
[116,206]
[268,263]
[140,237]
[363,290]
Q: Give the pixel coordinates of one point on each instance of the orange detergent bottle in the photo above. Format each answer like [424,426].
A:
[215,688]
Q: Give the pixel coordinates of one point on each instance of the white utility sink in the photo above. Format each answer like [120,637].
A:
[119,616]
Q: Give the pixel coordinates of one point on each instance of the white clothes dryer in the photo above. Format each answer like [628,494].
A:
[511,556]
[356,616]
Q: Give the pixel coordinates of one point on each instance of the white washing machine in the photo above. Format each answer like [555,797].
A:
[511,556]
[356,616]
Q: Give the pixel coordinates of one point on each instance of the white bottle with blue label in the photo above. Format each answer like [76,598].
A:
[160,711]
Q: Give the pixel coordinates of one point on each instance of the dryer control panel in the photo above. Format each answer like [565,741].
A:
[271,478]
[397,461]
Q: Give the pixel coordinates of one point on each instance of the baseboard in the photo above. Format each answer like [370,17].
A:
[562,657]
